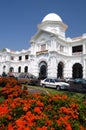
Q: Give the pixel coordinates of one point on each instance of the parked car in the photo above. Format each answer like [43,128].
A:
[27,78]
[80,81]
[54,83]
[83,84]
[69,80]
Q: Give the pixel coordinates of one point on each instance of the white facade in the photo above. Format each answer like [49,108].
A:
[51,54]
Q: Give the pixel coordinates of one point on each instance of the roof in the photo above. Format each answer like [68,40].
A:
[52,17]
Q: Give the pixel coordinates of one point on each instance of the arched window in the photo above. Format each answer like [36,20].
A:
[11,69]
[19,69]
[26,69]
[4,67]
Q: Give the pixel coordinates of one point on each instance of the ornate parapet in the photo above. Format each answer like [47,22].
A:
[41,52]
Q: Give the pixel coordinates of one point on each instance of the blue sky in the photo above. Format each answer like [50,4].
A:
[19,19]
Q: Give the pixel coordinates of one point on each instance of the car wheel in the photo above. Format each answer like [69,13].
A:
[58,88]
[43,85]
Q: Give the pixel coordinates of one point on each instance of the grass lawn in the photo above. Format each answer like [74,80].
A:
[19,109]
[78,96]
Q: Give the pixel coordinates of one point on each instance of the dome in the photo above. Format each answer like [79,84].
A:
[52,17]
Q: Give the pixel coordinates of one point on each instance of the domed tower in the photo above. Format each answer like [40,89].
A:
[46,45]
[52,17]
[54,24]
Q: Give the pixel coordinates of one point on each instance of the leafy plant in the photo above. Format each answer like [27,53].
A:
[21,110]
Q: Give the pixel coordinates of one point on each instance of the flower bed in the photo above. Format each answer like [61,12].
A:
[20,110]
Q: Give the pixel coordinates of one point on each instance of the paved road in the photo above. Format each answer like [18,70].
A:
[35,90]
[73,88]
[77,88]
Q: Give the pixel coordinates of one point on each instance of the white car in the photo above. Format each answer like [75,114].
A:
[54,83]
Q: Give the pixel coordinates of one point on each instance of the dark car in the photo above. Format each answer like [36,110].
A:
[78,81]
[84,84]
[27,78]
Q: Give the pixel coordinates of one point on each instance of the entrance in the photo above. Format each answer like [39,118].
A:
[11,69]
[77,71]
[43,70]
[60,70]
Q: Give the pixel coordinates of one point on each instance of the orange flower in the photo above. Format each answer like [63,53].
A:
[42,128]
[69,111]
[27,128]
[3,111]
[81,127]
[64,97]
[10,126]
[39,103]
[68,126]
[26,107]
[9,117]
[64,121]
[37,110]
[20,122]
[23,111]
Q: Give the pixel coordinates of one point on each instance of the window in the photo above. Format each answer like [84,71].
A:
[47,80]
[43,47]
[61,48]
[52,81]
[19,69]
[11,69]
[20,57]
[26,57]
[26,69]
[12,58]
[4,67]
[77,49]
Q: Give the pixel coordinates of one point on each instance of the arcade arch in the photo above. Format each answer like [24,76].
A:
[42,70]
[60,70]
[11,69]
[77,70]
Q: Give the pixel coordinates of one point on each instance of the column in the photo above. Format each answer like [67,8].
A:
[84,68]
[52,68]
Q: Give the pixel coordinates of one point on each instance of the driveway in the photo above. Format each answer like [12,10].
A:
[76,88]
[33,89]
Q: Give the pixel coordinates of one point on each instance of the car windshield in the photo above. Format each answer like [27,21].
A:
[46,80]
[56,80]
[26,75]
[52,80]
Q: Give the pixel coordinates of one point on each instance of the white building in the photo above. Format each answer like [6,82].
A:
[51,54]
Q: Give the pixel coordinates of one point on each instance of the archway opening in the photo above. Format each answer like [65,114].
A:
[11,69]
[4,73]
[77,71]
[60,70]
[43,70]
